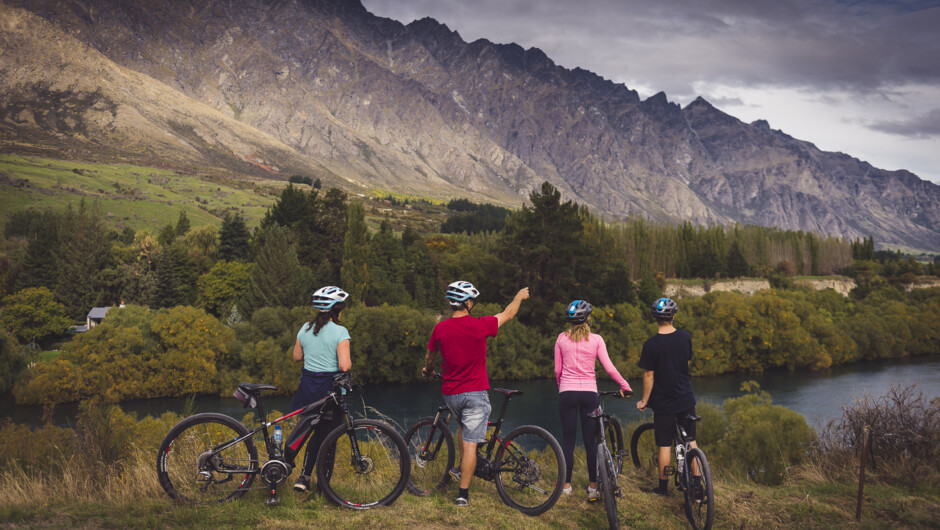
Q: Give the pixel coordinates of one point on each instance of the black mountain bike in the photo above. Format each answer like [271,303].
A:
[527,465]
[212,457]
[690,461]
[608,465]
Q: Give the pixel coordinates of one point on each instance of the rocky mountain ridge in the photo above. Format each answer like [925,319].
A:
[370,102]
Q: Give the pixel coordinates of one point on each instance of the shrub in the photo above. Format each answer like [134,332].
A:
[762,439]
[904,427]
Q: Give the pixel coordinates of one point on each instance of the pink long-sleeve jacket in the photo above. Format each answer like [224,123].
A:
[574,364]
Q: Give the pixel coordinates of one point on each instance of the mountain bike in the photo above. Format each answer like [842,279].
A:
[212,457]
[527,465]
[608,468]
[690,462]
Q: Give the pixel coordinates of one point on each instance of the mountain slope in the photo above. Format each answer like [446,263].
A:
[416,109]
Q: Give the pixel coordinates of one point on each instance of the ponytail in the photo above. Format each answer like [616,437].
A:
[326,316]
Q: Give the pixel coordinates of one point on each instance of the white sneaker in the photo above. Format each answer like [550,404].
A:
[593,495]
[566,491]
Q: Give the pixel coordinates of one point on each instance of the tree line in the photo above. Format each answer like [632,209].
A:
[256,283]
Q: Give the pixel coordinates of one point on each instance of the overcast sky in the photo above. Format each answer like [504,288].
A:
[861,77]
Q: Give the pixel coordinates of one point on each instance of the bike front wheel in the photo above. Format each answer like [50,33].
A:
[607,485]
[363,467]
[643,449]
[530,470]
[431,448]
[699,497]
[193,466]
[614,436]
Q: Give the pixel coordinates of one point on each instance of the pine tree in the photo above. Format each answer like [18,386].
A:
[234,239]
[83,254]
[39,264]
[354,274]
[277,278]
[182,224]
[168,292]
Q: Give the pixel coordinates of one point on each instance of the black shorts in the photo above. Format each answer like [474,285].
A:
[664,427]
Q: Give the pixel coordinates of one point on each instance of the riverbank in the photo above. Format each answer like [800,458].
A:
[806,500]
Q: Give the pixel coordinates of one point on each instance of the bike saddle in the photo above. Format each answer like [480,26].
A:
[596,413]
[692,417]
[509,393]
[255,387]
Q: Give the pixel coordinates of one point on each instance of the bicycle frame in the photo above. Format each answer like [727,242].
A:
[683,445]
[297,436]
[488,446]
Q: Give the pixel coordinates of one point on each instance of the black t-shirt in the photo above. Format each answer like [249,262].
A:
[667,356]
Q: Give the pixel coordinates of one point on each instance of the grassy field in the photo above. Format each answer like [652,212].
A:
[134,196]
[150,198]
[134,499]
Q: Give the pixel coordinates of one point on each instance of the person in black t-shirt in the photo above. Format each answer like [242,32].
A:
[667,386]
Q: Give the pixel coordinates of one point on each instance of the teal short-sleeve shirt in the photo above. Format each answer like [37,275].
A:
[320,349]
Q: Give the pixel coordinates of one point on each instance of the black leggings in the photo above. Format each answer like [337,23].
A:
[320,432]
[571,405]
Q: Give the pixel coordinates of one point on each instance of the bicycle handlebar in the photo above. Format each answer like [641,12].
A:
[626,393]
[434,374]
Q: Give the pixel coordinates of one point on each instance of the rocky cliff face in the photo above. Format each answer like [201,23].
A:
[416,109]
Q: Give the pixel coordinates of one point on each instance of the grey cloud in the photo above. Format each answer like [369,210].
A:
[923,126]
[854,46]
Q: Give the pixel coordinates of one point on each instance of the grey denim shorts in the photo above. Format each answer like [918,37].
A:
[472,410]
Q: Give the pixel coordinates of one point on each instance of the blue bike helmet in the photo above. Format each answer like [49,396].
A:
[664,309]
[326,297]
[578,311]
[459,292]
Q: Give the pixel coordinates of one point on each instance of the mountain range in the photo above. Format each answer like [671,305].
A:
[326,89]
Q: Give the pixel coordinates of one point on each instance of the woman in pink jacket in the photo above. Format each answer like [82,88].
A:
[576,351]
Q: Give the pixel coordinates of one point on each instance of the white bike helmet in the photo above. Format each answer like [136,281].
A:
[459,292]
[326,297]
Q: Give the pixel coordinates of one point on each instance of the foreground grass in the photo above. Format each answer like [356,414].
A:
[134,499]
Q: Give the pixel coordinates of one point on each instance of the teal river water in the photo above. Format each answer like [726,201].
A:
[816,395]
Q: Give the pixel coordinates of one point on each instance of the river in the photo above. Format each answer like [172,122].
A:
[818,396]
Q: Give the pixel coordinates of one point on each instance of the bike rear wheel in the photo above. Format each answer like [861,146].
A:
[530,470]
[643,449]
[614,436]
[699,499]
[191,471]
[606,482]
[431,448]
[376,478]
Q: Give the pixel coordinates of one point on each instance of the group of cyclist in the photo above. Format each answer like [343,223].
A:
[323,347]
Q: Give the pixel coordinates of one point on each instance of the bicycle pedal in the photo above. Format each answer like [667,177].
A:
[669,470]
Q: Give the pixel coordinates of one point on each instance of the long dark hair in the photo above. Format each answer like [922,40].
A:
[322,318]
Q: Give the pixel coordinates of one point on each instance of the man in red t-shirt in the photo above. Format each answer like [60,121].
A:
[461,341]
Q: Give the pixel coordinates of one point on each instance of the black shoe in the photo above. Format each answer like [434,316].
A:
[463,502]
[698,489]
[302,484]
[660,491]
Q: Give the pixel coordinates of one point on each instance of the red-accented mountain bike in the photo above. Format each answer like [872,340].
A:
[212,457]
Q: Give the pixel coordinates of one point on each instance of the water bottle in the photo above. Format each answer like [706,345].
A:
[278,440]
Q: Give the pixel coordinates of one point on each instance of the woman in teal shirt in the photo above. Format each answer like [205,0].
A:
[323,346]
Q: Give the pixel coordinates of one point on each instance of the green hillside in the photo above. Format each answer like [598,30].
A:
[127,195]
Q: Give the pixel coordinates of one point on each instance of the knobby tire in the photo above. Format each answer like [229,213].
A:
[377,478]
[188,472]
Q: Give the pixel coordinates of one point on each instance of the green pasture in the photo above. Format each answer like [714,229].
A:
[130,196]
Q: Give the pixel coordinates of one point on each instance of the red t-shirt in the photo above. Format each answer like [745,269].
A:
[462,343]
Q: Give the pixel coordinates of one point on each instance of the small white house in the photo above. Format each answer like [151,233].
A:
[95,316]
